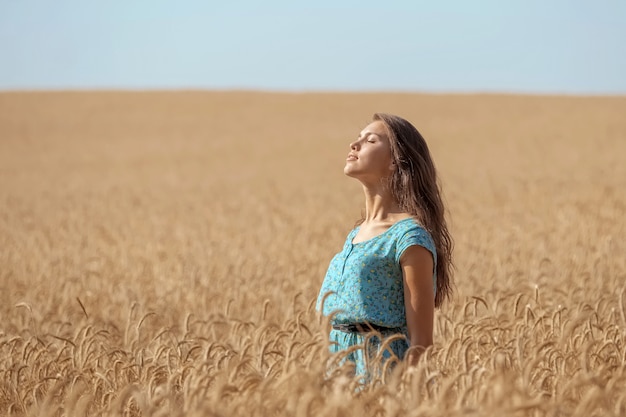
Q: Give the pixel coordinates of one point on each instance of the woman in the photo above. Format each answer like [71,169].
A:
[395,266]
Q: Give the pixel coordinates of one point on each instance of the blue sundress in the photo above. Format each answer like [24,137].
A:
[364,283]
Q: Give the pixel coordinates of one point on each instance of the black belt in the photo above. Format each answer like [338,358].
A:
[361,328]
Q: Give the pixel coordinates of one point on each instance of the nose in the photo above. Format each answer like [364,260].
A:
[354,145]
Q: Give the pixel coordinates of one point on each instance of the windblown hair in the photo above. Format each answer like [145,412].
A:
[415,187]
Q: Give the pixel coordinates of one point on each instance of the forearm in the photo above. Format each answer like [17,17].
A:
[417,346]
[420,329]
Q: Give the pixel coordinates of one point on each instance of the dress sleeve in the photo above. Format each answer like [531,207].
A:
[416,236]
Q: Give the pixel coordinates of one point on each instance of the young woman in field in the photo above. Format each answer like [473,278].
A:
[395,265]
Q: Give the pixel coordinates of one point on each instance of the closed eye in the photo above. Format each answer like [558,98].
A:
[371,137]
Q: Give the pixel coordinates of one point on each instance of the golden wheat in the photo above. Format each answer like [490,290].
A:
[161,254]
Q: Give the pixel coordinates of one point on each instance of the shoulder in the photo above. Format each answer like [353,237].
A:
[411,233]
[352,233]
[410,228]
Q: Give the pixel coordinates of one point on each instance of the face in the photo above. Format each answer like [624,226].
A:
[369,159]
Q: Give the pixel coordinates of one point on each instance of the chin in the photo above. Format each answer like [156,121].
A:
[350,174]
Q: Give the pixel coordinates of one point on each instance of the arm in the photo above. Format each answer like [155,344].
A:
[419,301]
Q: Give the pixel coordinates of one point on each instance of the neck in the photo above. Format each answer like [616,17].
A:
[379,203]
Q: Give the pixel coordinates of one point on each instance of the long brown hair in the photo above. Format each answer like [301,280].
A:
[415,187]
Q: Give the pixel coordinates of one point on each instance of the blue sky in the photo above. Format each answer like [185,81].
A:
[551,46]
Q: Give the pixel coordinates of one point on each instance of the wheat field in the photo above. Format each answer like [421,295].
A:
[161,252]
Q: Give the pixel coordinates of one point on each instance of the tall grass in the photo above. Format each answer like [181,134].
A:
[160,254]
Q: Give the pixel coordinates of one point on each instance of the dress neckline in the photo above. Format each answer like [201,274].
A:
[373,238]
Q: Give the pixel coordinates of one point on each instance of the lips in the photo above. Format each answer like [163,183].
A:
[352,157]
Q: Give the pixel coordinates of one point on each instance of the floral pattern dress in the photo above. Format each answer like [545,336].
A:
[364,284]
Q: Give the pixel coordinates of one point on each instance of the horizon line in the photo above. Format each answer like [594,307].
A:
[313,91]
